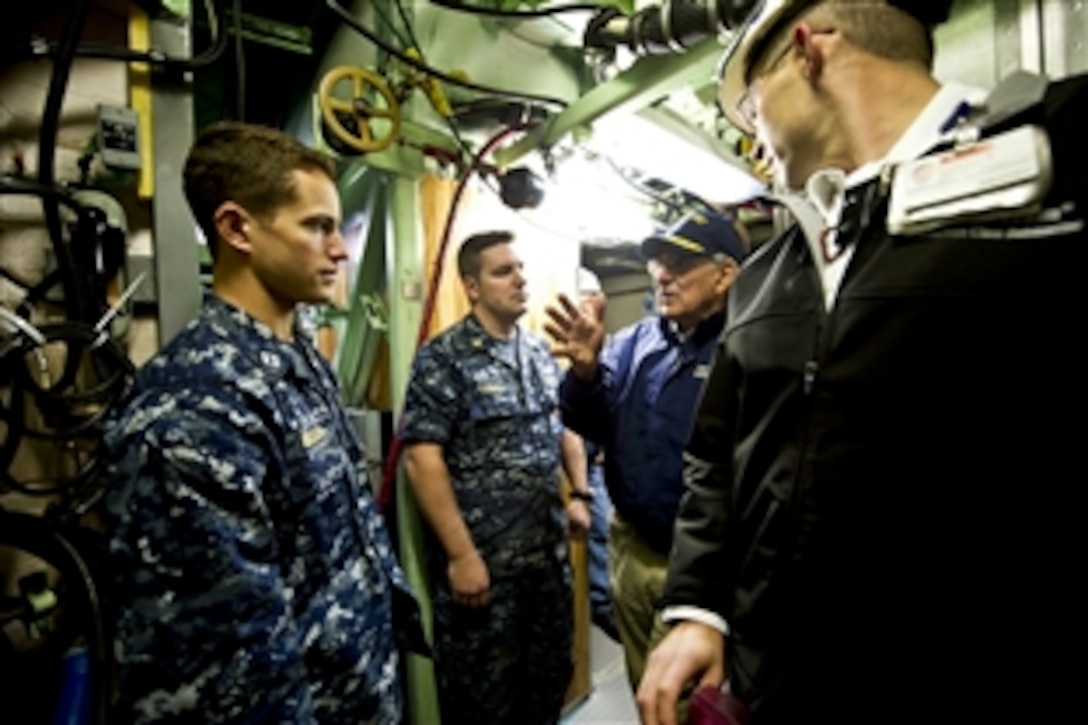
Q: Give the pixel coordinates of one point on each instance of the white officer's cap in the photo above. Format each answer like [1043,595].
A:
[770,16]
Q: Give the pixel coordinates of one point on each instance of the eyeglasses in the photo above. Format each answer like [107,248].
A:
[746,105]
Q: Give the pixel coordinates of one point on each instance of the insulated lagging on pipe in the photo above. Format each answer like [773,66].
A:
[670,27]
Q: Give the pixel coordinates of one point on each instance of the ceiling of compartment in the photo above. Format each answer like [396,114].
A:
[637,152]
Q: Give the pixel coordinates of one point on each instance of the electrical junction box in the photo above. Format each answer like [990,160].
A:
[117,133]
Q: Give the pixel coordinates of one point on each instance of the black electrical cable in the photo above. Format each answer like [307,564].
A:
[47,146]
[37,293]
[80,487]
[69,414]
[535,13]
[32,535]
[62,275]
[399,4]
[27,187]
[15,279]
[403,14]
[78,490]
[373,38]
[75,283]
[58,542]
[107,360]
[80,426]
[154,57]
[76,291]
[98,645]
[410,41]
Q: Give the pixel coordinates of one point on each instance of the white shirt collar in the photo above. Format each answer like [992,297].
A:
[826,187]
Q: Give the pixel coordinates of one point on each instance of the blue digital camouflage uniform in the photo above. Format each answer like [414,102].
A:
[494,414]
[254,579]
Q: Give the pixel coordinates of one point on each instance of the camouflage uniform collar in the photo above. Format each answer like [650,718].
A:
[270,355]
[481,338]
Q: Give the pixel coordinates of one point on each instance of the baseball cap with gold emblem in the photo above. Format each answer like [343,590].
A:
[699,235]
[763,24]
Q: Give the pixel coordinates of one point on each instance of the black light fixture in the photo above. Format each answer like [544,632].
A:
[520,188]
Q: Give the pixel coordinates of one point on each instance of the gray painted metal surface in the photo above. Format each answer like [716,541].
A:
[174,239]
[986,40]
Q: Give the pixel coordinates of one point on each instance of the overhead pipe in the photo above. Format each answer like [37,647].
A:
[671,27]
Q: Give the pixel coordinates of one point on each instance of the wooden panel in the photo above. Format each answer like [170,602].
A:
[581,684]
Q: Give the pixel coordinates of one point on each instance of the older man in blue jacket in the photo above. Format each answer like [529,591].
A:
[635,395]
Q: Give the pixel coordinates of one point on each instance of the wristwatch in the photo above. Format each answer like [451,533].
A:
[586,496]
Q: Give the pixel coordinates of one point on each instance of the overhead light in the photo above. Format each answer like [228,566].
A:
[669,149]
[520,188]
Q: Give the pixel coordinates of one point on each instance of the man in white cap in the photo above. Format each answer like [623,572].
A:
[875,527]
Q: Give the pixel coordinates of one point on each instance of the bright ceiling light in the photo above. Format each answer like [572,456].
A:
[669,149]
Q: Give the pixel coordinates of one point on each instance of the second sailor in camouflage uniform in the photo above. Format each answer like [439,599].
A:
[483,457]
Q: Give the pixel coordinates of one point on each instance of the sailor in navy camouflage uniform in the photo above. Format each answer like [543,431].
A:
[483,457]
[253,576]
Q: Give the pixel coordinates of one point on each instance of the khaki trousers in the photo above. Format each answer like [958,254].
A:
[637,576]
[637,573]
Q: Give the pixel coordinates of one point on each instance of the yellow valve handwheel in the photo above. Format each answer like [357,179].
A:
[368,120]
